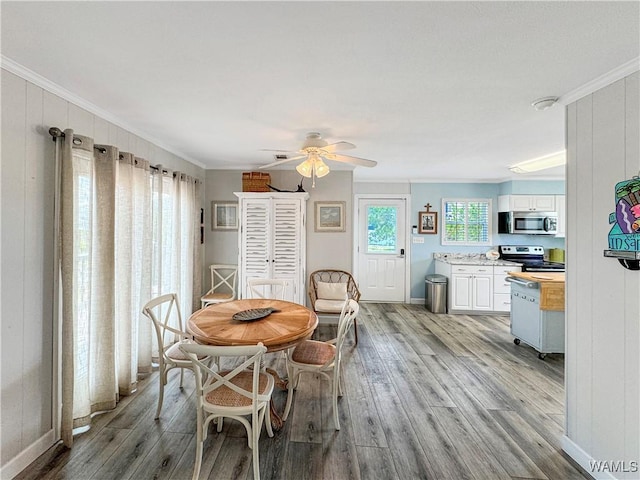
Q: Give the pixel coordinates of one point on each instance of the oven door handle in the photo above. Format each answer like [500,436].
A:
[521,282]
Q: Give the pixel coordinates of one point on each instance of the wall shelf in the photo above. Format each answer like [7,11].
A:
[628,259]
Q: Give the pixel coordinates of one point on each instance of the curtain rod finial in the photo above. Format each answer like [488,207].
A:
[55,132]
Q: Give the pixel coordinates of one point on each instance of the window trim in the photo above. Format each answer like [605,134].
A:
[444,241]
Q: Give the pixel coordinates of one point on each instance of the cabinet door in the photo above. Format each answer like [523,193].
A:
[537,203]
[521,203]
[255,242]
[482,292]
[461,292]
[501,302]
[543,203]
[286,258]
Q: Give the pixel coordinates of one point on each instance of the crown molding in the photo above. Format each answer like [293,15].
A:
[29,75]
[602,81]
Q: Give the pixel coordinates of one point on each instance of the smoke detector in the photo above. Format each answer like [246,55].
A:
[544,103]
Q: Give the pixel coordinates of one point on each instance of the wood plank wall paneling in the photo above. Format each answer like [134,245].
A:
[607,313]
[13,258]
[631,284]
[603,298]
[27,198]
[36,417]
[583,264]
[571,384]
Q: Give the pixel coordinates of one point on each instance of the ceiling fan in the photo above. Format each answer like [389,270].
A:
[314,151]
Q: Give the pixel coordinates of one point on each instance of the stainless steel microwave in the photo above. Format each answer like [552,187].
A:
[529,223]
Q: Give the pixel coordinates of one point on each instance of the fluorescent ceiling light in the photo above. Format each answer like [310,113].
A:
[542,163]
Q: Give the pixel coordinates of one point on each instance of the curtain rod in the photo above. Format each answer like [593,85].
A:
[55,132]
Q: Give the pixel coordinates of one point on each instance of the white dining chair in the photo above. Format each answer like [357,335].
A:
[275,289]
[323,358]
[223,284]
[164,313]
[244,391]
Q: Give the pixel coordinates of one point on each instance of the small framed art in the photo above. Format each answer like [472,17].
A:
[428,222]
[224,215]
[330,216]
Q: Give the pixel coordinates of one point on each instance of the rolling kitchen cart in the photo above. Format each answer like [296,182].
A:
[541,329]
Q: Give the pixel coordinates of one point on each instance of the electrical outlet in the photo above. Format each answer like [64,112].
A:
[418,240]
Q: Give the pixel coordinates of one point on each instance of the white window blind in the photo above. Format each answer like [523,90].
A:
[466,222]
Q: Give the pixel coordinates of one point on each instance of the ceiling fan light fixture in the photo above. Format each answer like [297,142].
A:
[321,168]
[305,168]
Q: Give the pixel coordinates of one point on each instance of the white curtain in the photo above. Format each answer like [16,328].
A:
[125,236]
[133,269]
[176,198]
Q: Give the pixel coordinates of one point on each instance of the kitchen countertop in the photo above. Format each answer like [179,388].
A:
[540,277]
[551,288]
[478,261]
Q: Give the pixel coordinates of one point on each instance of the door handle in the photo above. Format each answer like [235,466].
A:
[401,253]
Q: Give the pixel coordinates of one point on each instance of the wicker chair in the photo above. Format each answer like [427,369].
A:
[327,298]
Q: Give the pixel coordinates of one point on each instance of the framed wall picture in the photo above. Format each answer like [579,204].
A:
[224,215]
[330,216]
[428,222]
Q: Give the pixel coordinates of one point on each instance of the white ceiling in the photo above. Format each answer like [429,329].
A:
[430,90]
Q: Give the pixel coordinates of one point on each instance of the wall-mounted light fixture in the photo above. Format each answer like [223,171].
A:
[541,163]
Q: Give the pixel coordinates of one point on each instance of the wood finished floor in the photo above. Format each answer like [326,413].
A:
[426,397]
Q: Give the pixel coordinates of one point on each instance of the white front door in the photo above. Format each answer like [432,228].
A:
[381,249]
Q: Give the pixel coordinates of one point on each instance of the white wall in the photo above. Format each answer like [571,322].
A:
[26,281]
[379,188]
[324,249]
[603,298]
[221,246]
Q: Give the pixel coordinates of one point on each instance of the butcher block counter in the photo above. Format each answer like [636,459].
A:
[551,288]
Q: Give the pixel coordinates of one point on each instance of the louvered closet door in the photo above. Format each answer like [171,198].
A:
[255,245]
[287,239]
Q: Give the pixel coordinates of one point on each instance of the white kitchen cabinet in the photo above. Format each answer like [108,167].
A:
[470,286]
[562,216]
[502,288]
[480,288]
[527,203]
[461,292]
[482,291]
[272,240]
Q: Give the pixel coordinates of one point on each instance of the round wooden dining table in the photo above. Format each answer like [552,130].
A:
[288,325]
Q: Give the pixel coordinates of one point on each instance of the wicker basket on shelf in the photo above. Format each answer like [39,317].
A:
[255,181]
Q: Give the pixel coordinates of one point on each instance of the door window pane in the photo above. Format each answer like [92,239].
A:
[382,235]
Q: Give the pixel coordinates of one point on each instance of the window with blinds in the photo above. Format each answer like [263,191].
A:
[466,222]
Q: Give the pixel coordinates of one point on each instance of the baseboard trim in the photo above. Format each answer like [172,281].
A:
[583,459]
[21,461]
[417,301]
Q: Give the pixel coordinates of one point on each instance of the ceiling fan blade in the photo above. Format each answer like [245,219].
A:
[281,151]
[338,146]
[363,162]
[282,161]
